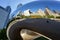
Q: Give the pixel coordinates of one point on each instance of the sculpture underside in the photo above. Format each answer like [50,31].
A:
[47,27]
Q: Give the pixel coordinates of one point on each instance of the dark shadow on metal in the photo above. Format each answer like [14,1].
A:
[47,27]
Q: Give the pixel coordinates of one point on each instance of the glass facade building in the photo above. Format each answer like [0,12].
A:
[4,17]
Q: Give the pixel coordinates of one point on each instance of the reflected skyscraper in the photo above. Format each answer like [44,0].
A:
[8,9]
[4,16]
[19,5]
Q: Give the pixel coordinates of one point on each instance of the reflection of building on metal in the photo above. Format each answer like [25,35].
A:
[31,35]
[39,12]
[49,12]
[28,35]
[26,12]
[19,5]
[4,17]
[38,25]
[8,9]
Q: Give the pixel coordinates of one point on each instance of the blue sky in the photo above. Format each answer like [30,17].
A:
[34,6]
[13,3]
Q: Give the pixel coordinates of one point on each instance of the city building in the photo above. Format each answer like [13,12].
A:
[4,17]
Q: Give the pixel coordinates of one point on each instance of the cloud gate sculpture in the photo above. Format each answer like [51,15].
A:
[45,26]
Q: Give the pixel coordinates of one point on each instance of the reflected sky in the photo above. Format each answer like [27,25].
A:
[13,3]
[34,6]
